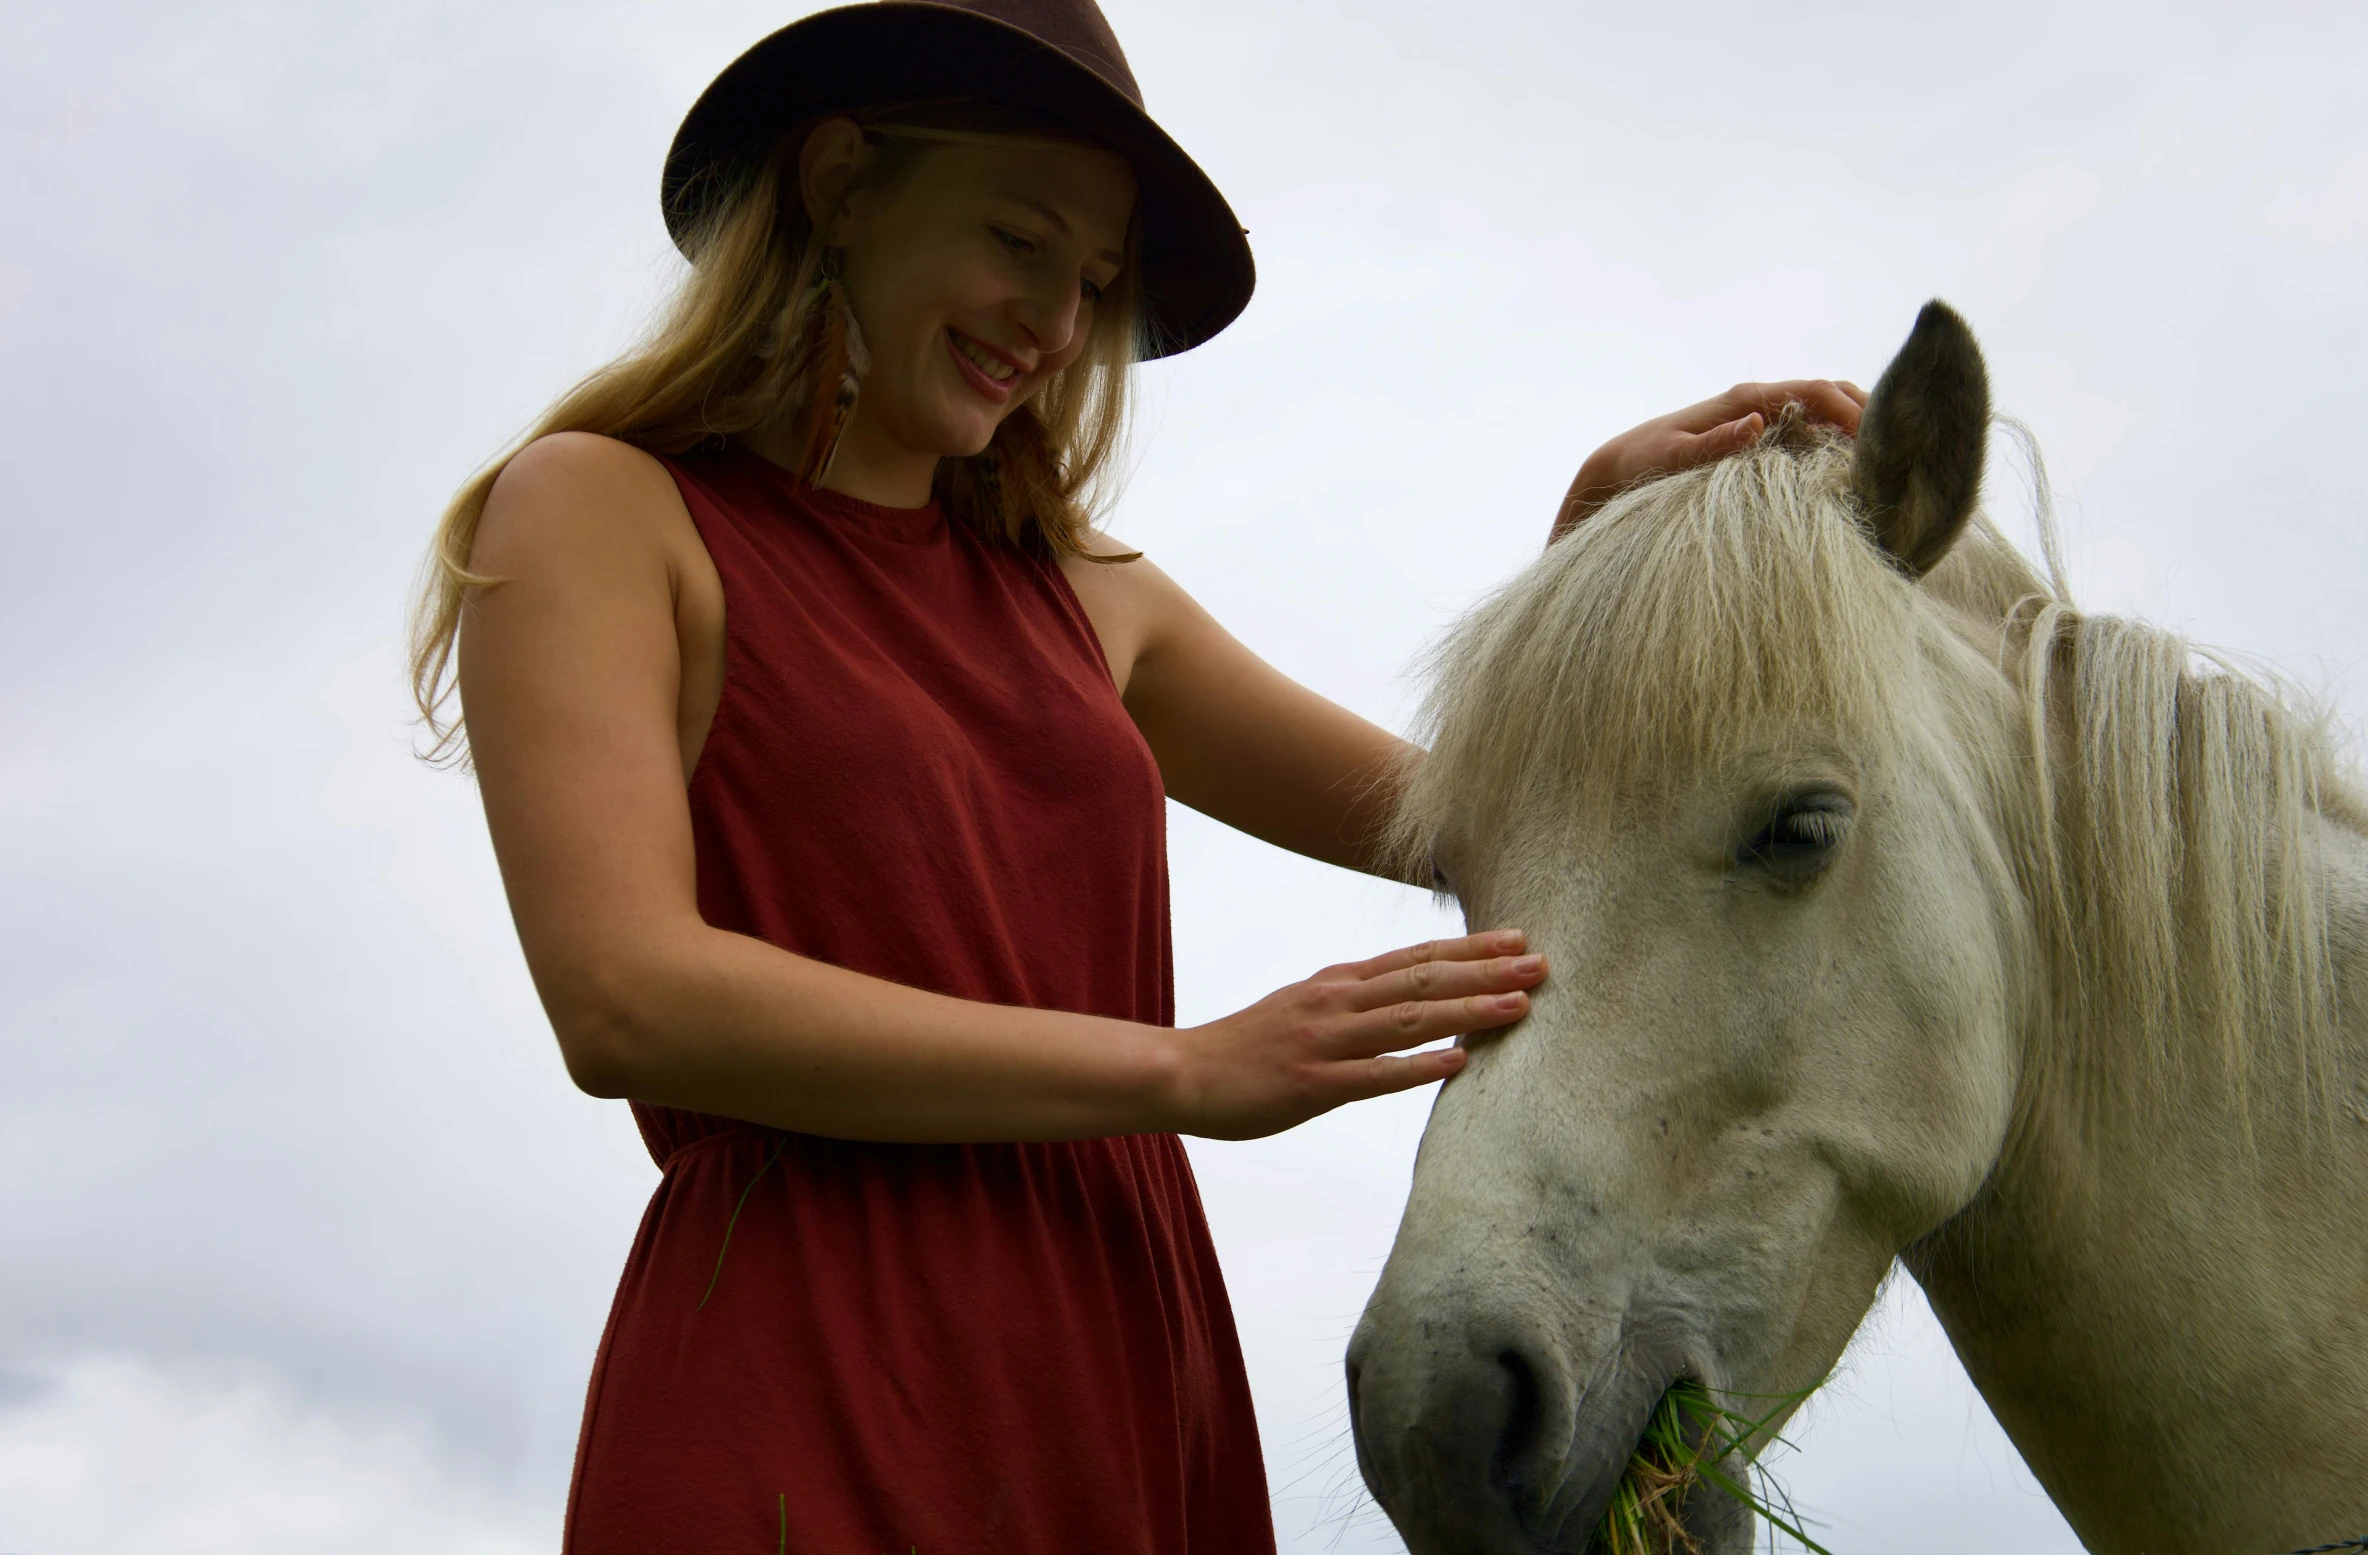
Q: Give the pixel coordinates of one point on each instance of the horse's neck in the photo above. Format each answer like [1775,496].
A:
[2174,1331]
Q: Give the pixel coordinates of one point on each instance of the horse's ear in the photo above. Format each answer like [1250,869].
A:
[1918,470]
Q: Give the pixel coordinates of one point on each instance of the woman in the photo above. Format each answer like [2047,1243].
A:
[824,745]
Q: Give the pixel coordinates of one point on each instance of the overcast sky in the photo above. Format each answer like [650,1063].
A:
[305,1241]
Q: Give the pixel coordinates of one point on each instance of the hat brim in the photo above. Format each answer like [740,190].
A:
[1197,270]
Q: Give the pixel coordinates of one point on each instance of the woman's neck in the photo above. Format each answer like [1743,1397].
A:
[869,465]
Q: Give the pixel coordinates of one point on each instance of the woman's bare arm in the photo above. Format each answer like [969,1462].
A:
[1236,738]
[571,674]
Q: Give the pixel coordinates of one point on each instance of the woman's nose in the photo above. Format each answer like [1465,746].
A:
[1048,316]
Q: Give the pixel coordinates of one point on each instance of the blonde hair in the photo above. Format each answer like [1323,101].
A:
[735,351]
[2161,804]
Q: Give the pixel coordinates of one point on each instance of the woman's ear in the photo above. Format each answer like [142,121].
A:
[834,152]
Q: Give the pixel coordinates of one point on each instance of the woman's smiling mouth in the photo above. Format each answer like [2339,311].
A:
[987,370]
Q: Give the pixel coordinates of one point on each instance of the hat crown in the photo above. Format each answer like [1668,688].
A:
[1076,27]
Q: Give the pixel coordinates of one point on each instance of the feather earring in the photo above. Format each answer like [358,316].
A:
[836,364]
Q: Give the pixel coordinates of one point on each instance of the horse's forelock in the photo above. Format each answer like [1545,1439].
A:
[1690,617]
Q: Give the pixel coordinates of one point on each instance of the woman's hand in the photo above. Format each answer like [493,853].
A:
[1340,1036]
[1697,435]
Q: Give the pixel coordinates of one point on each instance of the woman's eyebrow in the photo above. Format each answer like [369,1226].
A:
[1055,219]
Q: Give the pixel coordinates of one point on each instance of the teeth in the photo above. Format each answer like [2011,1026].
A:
[1001,372]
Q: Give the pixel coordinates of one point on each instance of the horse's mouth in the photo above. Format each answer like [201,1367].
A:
[1504,1446]
[1668,1500]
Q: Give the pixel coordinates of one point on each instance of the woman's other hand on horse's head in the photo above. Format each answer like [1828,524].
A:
[1699,434]
[1343,1035]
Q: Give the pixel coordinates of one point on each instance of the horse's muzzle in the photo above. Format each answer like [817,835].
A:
[1480,1436]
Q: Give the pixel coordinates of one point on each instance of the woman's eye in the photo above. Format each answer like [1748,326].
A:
[1091,292]
[1013,241]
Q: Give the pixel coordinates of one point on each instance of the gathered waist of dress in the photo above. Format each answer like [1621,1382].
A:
[742,1134]
[673,1134]
[675,1137]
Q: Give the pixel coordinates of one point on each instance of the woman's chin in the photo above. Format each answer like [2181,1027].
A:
[966,439]
[953,432]
[963,431]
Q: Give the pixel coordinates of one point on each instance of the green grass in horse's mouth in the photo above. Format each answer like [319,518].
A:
[1688,1437]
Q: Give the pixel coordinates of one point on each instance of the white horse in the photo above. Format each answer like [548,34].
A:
[1897,910]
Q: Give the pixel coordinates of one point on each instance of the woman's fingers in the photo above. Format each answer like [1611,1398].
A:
[1419,1022]
[1823,399]
[1472,947]
[1835,404]
[1344,1034]
[1698,435]
[1403,1072]
[1434,980]
[1730,438]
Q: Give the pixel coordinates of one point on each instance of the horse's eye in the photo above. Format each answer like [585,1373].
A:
[1440,881]
[1800,838]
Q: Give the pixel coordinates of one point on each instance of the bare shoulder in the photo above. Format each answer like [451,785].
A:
[584,462]
[582,497]
[1130,601]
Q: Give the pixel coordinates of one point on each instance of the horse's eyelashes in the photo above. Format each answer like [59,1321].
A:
[1816,828]
[1801,836]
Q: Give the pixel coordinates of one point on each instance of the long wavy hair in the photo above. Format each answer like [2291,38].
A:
[743,345]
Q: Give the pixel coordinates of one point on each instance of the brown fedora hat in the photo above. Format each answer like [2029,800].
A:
[1055,56]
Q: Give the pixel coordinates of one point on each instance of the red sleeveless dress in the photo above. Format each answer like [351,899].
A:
[919,770]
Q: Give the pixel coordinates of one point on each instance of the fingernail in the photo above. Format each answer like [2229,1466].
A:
[1509,1001]
[1527,964]
[1511,939]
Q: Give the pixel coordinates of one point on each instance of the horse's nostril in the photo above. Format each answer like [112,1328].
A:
[1522,1405]
[1464,1438]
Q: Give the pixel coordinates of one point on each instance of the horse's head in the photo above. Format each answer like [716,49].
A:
[1728,761]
